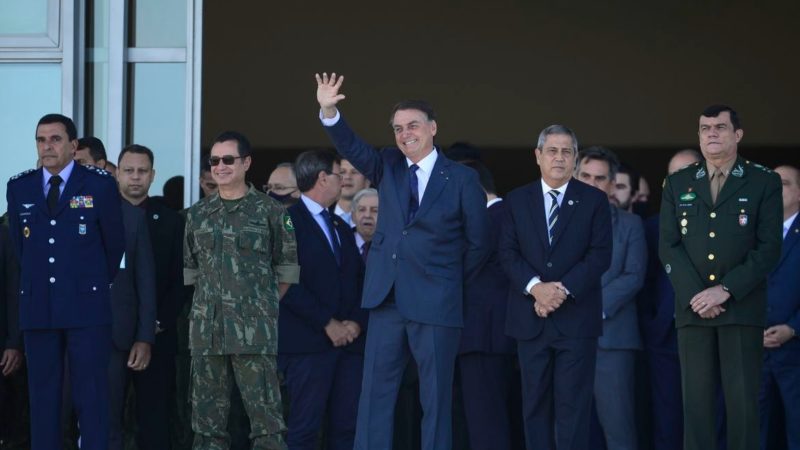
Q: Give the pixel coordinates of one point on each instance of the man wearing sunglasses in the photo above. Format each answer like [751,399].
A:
[241,255]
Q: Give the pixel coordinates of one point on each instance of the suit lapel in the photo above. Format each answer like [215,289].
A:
[701,185]
[313,225]
[567,208]
[436,182]
[792,237]
[403,191]
[536,198]
[733,183]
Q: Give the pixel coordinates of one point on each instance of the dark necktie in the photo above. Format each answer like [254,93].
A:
[335,245]
[365,250]
[552,217]
[413,201]
[52,193]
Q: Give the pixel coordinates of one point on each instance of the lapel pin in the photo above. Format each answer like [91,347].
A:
[27,232]
[155,216]
[570,203]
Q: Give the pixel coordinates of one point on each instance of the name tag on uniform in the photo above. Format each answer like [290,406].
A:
[81,201]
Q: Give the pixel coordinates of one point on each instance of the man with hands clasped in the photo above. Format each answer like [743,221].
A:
[555,246]
[720,236]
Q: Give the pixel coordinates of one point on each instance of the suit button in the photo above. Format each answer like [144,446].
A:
[52,222]
[94,288]
[710,256]
[394,255]
[713,215]
[549,264]
[712,277]
[51,240]
[52,279]
[405,232]
[712,235]
[52,260]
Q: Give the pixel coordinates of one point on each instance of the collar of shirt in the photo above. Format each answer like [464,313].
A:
[315,209]
[359,240]
[346,216]
[725,168]
[425,170]
[787,224]
[493,201]
[64,174]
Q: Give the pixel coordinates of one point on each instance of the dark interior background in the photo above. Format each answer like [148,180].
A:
[632,77]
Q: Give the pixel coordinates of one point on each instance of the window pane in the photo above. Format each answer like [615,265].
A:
[96,73]
[27,92]
[158,116]
[23,16]
[158,23]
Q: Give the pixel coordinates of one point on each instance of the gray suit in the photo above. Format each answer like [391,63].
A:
[614,383]
[133,311]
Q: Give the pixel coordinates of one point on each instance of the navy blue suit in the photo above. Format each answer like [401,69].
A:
[486,354]
[557,354]
[780,382]
[67,261]
[414,285]
[322,380]
[656,308]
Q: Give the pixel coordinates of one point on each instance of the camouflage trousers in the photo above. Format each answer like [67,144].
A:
[212,382]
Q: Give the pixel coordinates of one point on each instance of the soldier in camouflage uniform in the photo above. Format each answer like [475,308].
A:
[240,251]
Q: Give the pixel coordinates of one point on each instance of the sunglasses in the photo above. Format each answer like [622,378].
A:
[227,160]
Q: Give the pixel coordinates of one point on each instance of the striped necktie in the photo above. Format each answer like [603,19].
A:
[552,216]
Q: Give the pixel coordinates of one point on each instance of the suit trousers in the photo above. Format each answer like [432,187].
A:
[152,388]
[557,389]
[321,385]
[485,386]
[732,353]
[88,350]
[780,392]
[665,389]
[614,397]
[391,339]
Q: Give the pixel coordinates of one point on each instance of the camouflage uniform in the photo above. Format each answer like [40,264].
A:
[237,253]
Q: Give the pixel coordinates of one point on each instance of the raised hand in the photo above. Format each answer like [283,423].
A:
[328,93]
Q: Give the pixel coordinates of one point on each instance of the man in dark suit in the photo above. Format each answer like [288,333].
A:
[486,354]
[656,307]
[11,357]
[154,391]
[614,379]
[321,326]
[720,237]
[780,384]
[67,232]
[419,258]
[555,246]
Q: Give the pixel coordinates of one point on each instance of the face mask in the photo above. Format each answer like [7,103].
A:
[285,199]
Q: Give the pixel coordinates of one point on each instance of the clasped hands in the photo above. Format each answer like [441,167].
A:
[708,302]
[342,332]
[548,297]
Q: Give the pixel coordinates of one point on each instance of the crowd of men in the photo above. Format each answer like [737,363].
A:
[343,305]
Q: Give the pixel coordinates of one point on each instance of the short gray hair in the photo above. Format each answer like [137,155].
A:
[361,194]
[557,129]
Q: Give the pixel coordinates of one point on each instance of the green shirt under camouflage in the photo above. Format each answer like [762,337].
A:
[236,255]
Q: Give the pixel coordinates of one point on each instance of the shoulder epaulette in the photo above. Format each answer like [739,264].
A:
[97,170]
[22,174]
[759,166]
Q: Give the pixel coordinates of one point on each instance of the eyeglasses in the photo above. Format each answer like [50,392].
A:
[338,175]
[227,160]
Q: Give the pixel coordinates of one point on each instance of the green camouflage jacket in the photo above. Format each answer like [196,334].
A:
[235,259]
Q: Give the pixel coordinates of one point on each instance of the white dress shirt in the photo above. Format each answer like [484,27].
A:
[64,174]
[316,212]
[787,224]
[548,202]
